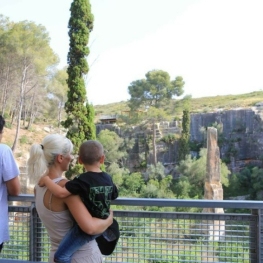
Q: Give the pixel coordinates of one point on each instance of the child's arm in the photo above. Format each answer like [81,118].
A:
[115,192]
[54,188]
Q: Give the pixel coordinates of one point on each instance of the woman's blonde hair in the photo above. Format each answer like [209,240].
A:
[42,156]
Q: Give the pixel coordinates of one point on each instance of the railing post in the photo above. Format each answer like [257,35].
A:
[257,246]
[260,238]
[35,235]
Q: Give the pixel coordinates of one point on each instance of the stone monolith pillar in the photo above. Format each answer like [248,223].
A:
[213,190]
[213,186]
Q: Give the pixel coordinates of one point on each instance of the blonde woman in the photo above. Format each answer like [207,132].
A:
[53,157]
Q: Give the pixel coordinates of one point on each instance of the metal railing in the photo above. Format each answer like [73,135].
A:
[153,236]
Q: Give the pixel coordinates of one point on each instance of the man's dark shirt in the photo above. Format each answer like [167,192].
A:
[96,191]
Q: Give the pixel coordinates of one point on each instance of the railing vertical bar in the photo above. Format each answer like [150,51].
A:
[260,238]
[32,230]
[255,243]
[35,235]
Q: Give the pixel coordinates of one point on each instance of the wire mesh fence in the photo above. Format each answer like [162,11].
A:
[152,236]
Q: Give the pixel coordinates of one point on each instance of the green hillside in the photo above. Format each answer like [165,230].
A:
[205,104]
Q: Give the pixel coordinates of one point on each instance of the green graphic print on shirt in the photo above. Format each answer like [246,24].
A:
[101,194]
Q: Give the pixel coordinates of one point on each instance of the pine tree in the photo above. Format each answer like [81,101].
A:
[80,114]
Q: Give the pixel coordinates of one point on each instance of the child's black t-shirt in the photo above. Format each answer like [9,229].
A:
[96,191]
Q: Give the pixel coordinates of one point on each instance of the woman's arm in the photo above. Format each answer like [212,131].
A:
[90,225]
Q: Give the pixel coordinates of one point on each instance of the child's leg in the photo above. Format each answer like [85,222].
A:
[73,240]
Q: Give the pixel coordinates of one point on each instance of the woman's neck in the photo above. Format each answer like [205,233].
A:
[54,173]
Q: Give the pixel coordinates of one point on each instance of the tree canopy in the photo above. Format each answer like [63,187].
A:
[154,90]
[26,60]
[150,94]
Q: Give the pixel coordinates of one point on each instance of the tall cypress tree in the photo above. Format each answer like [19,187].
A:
[184,148]
[80,114]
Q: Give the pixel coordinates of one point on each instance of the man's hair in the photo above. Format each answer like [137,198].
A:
[2,123]
[90,152]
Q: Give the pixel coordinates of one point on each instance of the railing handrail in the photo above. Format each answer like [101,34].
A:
[201,203]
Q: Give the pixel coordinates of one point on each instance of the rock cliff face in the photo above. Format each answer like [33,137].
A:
[240,134]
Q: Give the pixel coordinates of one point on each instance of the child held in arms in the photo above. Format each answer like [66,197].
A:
[96,189]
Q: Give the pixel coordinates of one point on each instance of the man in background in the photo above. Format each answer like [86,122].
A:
[9,183]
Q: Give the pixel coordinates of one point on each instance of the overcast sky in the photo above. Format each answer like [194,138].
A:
[215,45]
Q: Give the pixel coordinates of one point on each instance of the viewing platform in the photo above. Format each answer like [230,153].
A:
[181,232]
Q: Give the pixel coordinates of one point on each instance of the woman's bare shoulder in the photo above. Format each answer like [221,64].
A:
[53,203]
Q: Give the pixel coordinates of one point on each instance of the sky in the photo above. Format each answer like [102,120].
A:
[215,45]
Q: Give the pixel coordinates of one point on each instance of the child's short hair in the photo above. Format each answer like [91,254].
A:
[90,152]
